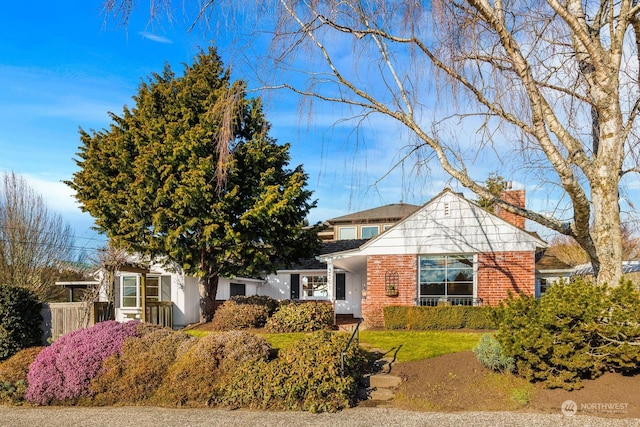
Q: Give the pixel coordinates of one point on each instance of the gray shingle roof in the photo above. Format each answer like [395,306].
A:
[328,247]
[387,213]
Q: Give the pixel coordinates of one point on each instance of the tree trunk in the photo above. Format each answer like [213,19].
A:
[208,288]
[607,234]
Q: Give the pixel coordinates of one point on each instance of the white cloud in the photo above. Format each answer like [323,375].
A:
[155,38]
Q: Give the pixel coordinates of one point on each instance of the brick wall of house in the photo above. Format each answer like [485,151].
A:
[377,268]
[503,271]
[497,274]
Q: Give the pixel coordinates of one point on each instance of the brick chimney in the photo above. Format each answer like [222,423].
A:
[516,198]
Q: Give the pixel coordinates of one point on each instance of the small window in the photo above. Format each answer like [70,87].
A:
[153,288]
[237,289]
[315,287]
[346,233]
[130,291]
[369,231]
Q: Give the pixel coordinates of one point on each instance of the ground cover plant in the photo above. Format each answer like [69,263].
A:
[191,379]
[62,372]
[13,375]
[134,374]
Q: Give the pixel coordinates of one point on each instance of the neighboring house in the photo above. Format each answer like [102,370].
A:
[365,224]
[549,269]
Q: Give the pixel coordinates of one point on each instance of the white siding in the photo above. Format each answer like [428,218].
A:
[277,286]
[353,302]
[451,224]
[224,287]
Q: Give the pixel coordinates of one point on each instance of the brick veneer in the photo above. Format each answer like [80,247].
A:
[377,267]
[497,274]
[503,271]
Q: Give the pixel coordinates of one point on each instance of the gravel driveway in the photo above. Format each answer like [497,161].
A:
[146,416]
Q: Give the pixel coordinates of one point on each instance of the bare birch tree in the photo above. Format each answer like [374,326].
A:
[548,87]
[34,242]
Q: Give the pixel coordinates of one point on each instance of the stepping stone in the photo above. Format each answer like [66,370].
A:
[384,381]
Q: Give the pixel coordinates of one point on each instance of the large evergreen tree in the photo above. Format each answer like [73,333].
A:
[191,174]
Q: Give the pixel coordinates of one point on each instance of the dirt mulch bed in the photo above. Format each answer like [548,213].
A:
[458,382]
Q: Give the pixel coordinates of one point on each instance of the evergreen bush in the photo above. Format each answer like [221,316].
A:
[271,303]
[62,372]
[233,315]
[305,316]
[305,376]
[575,331]
[193,376]
[20,320]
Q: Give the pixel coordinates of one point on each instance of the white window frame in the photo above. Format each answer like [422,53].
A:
[316,293]
[137,292]
[137,277]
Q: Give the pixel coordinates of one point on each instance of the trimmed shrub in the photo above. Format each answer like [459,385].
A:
[20,320]
[439,318]
[134,374]
[62,372]
[13,375]
[234,315]
[305,316]
[271,303]
[575,331]
[191,379]
[305,376]
[490,354]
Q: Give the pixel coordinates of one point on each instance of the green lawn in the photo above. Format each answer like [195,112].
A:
[404,345]
[417,345]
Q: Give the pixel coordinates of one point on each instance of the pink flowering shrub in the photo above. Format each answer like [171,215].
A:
[64,370]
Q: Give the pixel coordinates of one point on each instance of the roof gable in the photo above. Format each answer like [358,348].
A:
[449,223]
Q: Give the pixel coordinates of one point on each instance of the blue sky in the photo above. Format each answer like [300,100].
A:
[62,68]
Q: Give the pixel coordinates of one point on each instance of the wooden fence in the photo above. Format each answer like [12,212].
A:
[62,317]
[160,313]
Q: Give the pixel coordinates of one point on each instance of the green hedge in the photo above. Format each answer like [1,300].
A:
[438,318]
